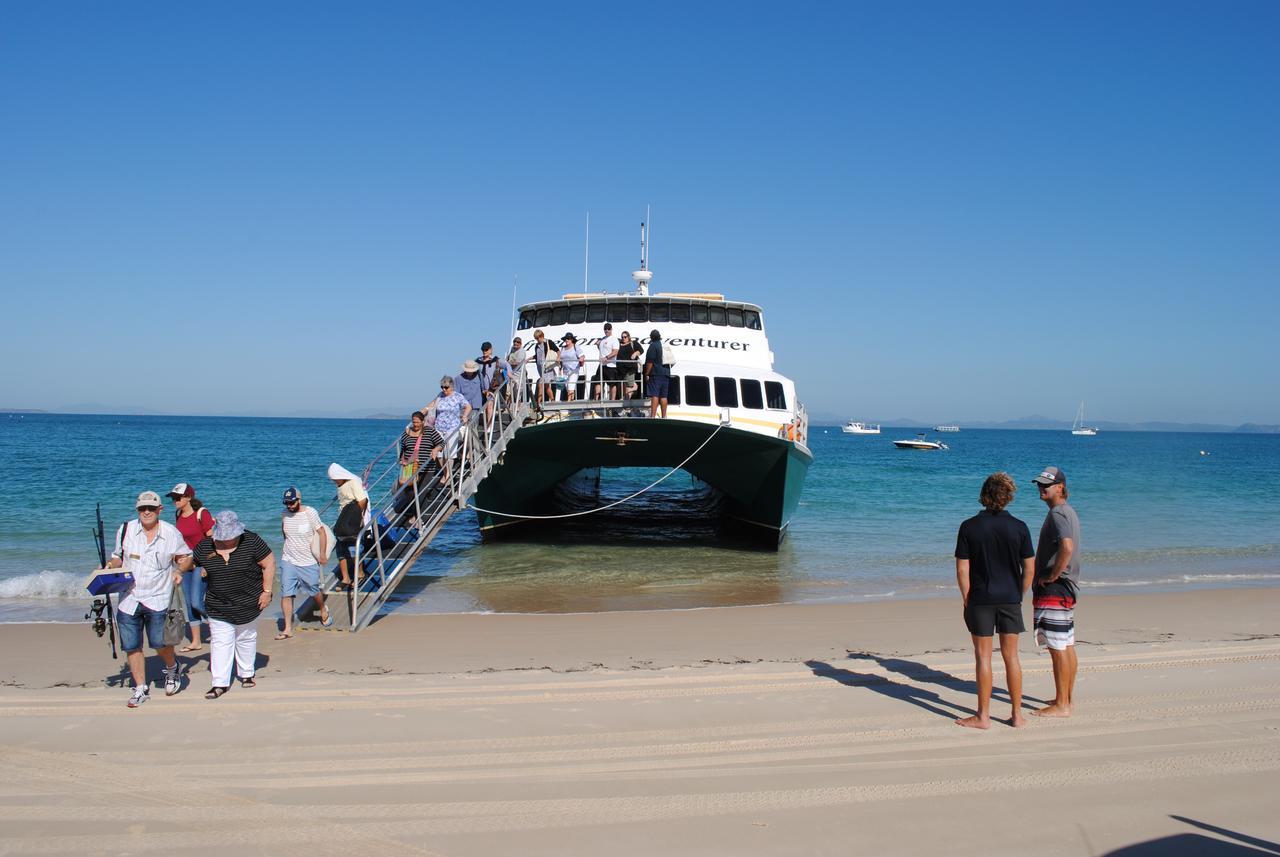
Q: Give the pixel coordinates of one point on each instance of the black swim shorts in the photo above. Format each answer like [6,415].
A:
[985,619]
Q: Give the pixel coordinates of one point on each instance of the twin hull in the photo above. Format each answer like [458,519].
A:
[759,477]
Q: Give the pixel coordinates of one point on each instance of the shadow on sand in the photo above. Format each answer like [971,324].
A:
[1198,845]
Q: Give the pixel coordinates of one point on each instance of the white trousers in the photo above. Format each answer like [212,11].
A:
[227,641]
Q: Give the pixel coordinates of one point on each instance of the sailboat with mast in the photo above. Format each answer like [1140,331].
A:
[1079,428]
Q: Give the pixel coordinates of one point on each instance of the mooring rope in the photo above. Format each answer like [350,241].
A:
[648,487]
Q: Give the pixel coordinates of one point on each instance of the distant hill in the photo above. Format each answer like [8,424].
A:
[22,411]
[1040,423]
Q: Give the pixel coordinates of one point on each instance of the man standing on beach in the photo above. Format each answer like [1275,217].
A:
[155,553]
[994,567]
[1053,597]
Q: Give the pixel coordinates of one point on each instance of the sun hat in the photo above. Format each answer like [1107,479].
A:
[227,526]
[1051,476]
[182,489]
[147,498]
[338,473]
[570,335]
[470,366]
[291,495]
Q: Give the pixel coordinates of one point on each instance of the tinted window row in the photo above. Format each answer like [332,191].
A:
[618,312]
[697,391]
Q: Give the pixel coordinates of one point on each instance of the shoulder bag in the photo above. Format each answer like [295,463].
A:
[175,617]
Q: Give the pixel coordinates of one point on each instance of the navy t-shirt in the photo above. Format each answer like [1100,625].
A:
[995,543]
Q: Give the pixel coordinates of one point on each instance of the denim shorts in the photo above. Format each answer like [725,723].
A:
[131,628]
[298,577]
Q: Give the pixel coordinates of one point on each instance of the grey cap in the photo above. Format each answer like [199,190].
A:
[1051,476]
[227,526]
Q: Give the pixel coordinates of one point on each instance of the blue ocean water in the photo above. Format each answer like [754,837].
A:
[875,521]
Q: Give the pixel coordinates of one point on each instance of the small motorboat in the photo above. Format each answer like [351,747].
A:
[920,442]
[854,427]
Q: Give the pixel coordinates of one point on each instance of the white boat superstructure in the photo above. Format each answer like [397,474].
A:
[855,427]
[1078,428]
[920,442]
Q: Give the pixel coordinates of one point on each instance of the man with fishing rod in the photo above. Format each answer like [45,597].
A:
[156,554]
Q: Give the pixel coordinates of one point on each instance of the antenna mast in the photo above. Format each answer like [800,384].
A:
[643,275]
[586,256]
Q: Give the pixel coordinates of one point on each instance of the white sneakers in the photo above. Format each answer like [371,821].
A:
[140,695]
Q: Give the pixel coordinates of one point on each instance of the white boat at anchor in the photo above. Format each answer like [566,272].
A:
[951,428]
[920,442]
[1078,428]
[854,427]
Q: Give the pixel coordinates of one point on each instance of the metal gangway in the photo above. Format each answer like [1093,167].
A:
[403,518]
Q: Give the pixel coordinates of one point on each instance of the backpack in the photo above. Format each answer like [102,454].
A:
[668,355]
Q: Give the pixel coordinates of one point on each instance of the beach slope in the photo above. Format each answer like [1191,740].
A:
[790,729]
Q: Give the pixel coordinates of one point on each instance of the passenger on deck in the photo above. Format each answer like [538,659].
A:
[571,361]
[608,371]
[470,385]
[629,353]
[546,354]
[347,529]
[421,447]
[515,367]
[657,375]
[491,377]
[453,411]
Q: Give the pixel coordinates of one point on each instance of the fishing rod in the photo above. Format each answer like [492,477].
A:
[102,624]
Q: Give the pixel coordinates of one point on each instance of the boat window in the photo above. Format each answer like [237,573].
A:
[726,392]
[617,312]
[559,315]
[673,391]
[660,312]
[717,315]
[595,312]
[680,313]
[751,397]
[774,395]
[753,319]
[544,317]
[577,313]
[526,319]
[637,313]
[735,317]
[697,390]
[699,313]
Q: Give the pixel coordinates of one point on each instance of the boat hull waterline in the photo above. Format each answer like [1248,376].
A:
[760,478]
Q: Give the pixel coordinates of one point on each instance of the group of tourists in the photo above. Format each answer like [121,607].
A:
[622,364]
[222,575]
[996,565]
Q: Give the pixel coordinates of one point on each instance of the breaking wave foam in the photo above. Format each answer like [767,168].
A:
[46,584]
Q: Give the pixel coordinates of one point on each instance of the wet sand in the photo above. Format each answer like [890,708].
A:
[786,729]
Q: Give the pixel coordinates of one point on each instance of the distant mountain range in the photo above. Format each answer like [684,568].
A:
[1039,423]
[1036,422]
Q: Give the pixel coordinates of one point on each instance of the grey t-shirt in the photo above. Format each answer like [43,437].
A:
[1061,523]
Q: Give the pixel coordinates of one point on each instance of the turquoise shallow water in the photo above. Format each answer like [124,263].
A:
[875,521]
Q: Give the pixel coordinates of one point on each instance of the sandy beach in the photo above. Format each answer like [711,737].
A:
[787,729]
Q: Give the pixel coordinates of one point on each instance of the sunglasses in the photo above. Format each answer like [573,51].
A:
[151,509]
[292,503]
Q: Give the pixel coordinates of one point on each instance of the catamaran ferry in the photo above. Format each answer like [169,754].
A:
[732,422]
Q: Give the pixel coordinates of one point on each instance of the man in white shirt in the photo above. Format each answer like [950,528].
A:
[608,346]
[155,553]
[299,569]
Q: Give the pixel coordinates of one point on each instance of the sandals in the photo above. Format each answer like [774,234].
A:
[248,682]
[190,648]
[284,635]
[326,618]
[215,692]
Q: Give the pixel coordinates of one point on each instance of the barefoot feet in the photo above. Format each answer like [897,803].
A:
[974,722]
[1017,721]
[1053,709]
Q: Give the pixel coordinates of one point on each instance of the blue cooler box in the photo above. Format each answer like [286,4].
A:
[109,581]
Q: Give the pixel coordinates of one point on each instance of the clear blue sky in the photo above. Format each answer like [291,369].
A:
[949,211]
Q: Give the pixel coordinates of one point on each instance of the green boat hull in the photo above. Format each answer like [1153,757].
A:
[759,478]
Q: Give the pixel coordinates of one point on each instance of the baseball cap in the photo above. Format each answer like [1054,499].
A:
[182,489]
[148,498]
[1051,476]
[291,495]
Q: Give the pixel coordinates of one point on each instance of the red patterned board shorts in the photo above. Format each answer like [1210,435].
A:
[1054,620]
